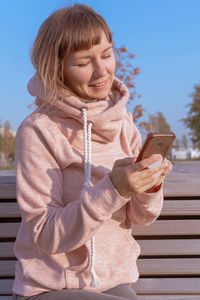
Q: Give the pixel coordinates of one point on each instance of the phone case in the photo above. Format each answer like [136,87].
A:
[156,143]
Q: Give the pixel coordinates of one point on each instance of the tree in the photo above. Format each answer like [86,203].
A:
[126,72]
[193,118]
[158,123]
[176,144]
[8,142]
[184,141]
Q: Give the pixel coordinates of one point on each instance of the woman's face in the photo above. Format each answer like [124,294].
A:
[90,73]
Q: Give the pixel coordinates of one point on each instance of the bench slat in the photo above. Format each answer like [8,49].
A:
[167,286]
[170,207]
[148,247]
[8,191]
[181,208]
[9,230]
[8,179]
[162,228]
[166,266]
[170,297]
[170,247]
[157,286]
[6,250]
[169,266]
[9,210]
[6,286]
[147,297]
[7,267]
[169,227]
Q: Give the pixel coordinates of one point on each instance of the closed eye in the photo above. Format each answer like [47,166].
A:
[83,65]
[106,56]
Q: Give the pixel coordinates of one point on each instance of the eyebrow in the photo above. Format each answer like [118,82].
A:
[89,56]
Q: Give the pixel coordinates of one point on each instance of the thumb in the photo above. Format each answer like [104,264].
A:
[125,161]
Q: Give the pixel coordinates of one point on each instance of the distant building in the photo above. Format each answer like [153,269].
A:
[185,153]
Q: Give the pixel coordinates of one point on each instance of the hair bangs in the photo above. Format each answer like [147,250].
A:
[82,29]
[86,38]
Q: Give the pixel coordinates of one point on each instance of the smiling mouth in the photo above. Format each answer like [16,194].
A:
[99,84]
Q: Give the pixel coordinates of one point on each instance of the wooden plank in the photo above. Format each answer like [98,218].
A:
[167,286]
[7,179]
[169,227]
[181,208]
[9,230]
[154,286]
[147,267]
[170,247]
[9,210]
[6,250]
[6,286]
[170,208]
[162,228]
[8,191]
[7,267]
[168,297]
[169,266]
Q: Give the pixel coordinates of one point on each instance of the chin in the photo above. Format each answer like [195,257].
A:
[103,96]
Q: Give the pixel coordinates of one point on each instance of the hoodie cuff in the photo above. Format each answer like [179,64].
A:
[105,198]
[147,198]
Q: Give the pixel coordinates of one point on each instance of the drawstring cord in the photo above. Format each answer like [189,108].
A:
[87,128]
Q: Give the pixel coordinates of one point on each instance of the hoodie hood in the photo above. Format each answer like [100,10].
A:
[106,115]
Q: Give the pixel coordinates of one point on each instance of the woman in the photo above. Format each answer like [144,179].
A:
[78,186]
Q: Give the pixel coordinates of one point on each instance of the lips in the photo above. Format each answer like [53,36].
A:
[99,84]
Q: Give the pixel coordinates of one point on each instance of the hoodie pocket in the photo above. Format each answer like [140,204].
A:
[77,273]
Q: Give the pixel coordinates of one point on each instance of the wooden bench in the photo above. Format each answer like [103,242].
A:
[170,260]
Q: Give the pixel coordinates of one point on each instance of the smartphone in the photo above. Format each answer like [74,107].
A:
[156,143]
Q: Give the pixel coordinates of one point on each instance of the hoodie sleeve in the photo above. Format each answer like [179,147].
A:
[52,226]
[142,209]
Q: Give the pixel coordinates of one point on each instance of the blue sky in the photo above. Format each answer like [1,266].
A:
[163,34]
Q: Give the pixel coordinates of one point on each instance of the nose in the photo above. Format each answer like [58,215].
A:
[99,68]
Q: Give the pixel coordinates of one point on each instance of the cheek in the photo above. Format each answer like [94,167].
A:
[83,76]
[77,78]
[112,65]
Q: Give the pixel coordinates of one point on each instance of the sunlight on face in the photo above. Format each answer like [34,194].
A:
[90,73]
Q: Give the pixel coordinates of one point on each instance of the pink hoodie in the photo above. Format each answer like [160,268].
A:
[59,215]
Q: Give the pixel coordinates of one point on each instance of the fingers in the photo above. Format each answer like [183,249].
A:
[151,176]
[144,163]
[167,168]
[129,176]
[125,162]
[142,180]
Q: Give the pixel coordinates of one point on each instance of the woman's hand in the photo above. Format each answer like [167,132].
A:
[167,169]
[129,177]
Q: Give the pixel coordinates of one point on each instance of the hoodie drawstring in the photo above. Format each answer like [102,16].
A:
[87,128]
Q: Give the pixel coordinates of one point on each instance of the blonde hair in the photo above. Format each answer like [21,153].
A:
[66,31]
